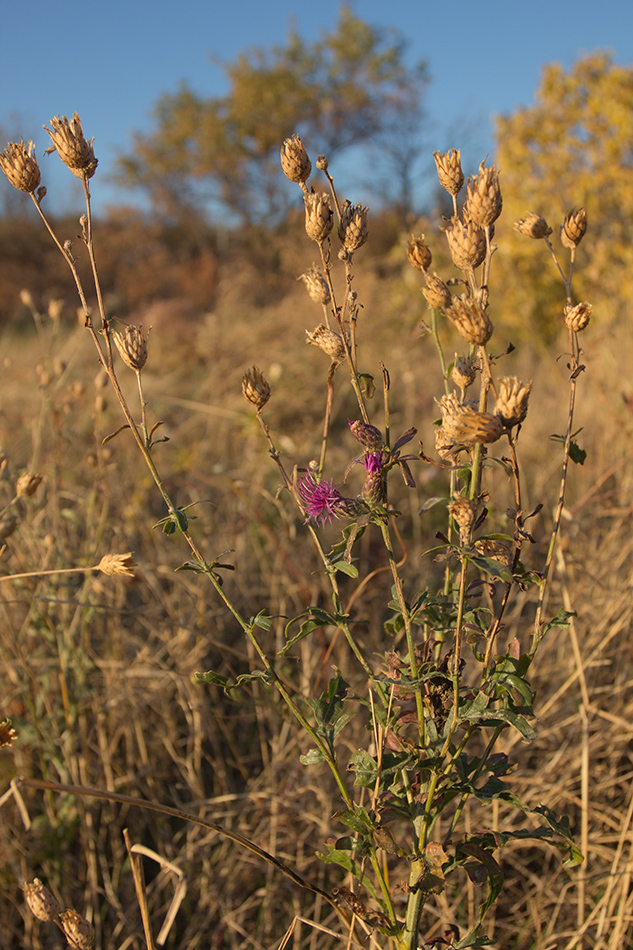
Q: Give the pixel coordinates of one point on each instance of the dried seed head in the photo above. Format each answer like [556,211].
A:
[463,511]
[470,318]
[70,144]
[328,341]
[463,425]
[534,225]
[353,227]
[316,285]
[494,549]
[467,244]
[8,735]
[27,484]
[318,217]
[78,931]
[118,565]
[322,163]
[40,901]
[20,167]
[574,227]
[368,436]
[449,170]
[437,294]
[295,163]
[577,318]
[512,401]
[464,372]
[132,346]
[255,388]
[484,202]
[419,253]
[8,524]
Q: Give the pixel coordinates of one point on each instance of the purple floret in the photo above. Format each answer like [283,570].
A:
[320,500]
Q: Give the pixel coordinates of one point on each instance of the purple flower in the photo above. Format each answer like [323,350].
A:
[374,461]
[321,501]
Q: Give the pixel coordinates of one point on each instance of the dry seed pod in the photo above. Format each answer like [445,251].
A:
[419,253]
[40,901]
[484,201]
[255,388]
[464,372]
[78,931]
[20,167]
[437,294]
[8,735]
[467,244]
[70,144]
[295,163]
[512,402]
[318,217]
[353,227]
[534,225]
[494,549]
[574,227]
[316,285]
[132,346]
[328,341]
[118,565]
[462,424]
[577,318]
[449,170]
[470,318]
[463,511]
[27,484]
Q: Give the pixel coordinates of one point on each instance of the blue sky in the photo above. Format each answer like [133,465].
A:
[110,60]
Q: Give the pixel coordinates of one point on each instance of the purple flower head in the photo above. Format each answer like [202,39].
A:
[374,461]
[321,500]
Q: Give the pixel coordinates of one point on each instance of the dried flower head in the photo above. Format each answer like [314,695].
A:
[328,341]
[70,144]
[484,201]
[419,253]
[318,217]
[534,225]
[512,400]
[463,425]
[574,227]
[40,901]
[577,318]
[436,294]
[114,565]
[8,735]
[449,170]
[19,165]
[255,388]
[494,549]
[470,318]
[132,346]
[369,436]
[316,285]
[463,511]
[464,372]
[295,163]
[353,227]
[78,931]
[467,244]
[27,484]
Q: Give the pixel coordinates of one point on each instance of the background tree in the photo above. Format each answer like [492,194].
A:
[572,147]
[350,88]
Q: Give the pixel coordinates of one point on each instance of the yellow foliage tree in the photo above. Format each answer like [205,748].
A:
[572,147]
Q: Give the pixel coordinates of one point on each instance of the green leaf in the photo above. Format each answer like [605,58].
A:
[560,620]
[577,454]
[365,767]
[216,679]
[344,568]
[561,827]
[489,566]
[243,679]
[312,757]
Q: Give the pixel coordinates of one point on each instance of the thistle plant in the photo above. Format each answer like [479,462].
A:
[449,686]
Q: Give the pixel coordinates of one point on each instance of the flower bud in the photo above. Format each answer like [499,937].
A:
[295,163]
[316,285]
[534,225]
[467,244]
[255,388]
[40,901]
[574,227]
[328,341]
[369,436]
[437,294]
[353,227]
[419,253]
[318,217]
[577,318]
[471,320]
[512,401]
[132,346]
[20,167]
[70,144]
[449,170]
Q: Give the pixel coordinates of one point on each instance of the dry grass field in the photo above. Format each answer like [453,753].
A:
[97,671]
